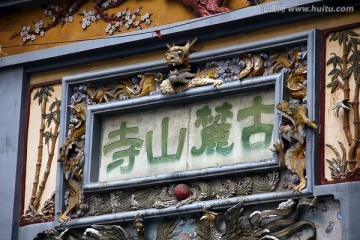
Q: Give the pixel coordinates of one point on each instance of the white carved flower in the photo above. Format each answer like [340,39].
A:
[42,33]
[33,37]
[108,27]
[147,22]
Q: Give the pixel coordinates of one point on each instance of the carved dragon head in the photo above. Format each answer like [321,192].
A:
[294,120]
[179,55]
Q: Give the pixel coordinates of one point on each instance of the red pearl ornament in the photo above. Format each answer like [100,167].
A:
[182,192]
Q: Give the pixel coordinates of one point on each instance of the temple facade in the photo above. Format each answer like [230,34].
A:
[179,119]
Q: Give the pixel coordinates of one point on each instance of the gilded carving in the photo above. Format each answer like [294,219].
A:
[72,157]
[180,78]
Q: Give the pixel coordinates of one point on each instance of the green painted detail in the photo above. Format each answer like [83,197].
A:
[124,141]
[257,127]
[215,132]
[165,157]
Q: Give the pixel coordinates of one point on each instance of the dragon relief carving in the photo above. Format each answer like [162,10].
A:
[294,113]
[293,127]
[163,197]
[178,56]
[275,224]
[72,157]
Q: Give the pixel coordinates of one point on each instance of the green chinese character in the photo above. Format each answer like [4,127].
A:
[124,141]
[215,132]
[165,157]
[256,110]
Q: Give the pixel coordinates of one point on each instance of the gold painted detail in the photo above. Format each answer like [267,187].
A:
[64,14]
[345,77]
[72,157]
[293,128]
[181,77]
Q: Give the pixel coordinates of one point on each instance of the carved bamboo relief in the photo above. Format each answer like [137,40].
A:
[43,126]
[342,105]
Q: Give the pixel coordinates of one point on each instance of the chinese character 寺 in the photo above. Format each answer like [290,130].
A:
[124,141]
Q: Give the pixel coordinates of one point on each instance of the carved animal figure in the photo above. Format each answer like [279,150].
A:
[293,126]
[205,7]
[148,83]
[179,55]
[99,95]
[272,224]
[254,66]
[294,159]
[283,60]
[295,83]
[72,159]
[294,120]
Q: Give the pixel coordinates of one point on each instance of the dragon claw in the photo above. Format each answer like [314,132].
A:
[63,218]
